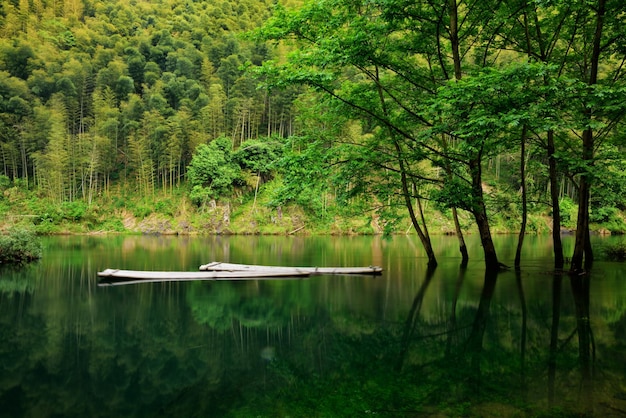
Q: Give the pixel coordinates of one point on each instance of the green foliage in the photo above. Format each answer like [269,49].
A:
[200,195]
[5,183]
[259,156]
[609,218]
[304,176]
[111,91]
[569,212]
[86,98]
[212,172]
[73,211]
[19,246]
[454,193]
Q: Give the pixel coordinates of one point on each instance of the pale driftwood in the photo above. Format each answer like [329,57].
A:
[158,276]
[121,281]
[219,266]
[296,230]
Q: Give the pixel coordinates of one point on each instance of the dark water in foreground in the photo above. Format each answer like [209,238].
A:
[406,344]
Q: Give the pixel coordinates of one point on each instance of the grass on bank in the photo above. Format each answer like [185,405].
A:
[122,210]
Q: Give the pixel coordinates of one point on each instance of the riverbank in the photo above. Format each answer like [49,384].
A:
[172,213]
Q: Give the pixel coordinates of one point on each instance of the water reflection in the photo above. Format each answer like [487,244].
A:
[449,342]
[411,322]
[581,293]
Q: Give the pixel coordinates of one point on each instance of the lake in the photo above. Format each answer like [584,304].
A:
[409,343]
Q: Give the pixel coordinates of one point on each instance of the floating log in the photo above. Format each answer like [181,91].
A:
[219,266]
[116,277]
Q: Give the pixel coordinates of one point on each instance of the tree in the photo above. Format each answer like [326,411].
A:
[53,164]
[383,60]
[212,171]
[574,37]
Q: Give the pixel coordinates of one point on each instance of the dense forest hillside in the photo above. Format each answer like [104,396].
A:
[93,92]
[103,103]
[362,117]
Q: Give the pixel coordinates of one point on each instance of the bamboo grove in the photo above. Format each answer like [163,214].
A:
[97,91]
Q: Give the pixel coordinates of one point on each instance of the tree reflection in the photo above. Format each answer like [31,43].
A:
[586,346]
[413,316]
[524,331]
[475,341]
[464,342]
[554,335]
[452,333]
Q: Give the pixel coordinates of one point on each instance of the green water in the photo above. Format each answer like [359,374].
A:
[409,343]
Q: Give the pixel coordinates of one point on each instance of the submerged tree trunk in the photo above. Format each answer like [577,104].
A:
[522,231]
[556,210]
[480,215]
[461,239]
[458,74]
[582,226]
[582,248]
[424,238]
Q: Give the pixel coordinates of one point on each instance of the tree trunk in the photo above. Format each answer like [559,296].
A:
[556,210]
[432,260]
[461,239]
[480,215]
[454,37]
[582,246]
[455,214]
[424,238]
[456,58]
[522,231]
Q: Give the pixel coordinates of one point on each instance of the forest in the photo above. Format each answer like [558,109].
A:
[378,116]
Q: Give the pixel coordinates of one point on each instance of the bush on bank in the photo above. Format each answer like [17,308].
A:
[18,247]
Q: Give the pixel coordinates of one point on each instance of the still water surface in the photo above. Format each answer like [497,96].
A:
[409,343]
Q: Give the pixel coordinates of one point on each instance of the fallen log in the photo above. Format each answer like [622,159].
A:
[231,267]
[115,276]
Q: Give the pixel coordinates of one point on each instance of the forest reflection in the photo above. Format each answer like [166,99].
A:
[452,341]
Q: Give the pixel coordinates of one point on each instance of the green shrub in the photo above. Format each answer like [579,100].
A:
[164,207]
[142,211]
[212,169]
[258,156]
[73,211]
[5,182]
[114,225]
[19,247]
[569,212]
